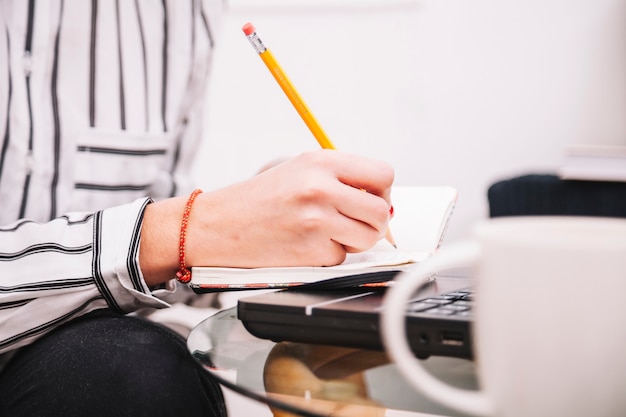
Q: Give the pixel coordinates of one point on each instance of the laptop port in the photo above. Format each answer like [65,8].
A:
[452,339]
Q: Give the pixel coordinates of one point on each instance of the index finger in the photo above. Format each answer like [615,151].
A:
[371,175]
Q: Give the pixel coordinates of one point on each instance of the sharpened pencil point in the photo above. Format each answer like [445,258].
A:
[390,238]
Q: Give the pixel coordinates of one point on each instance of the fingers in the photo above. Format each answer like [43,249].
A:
[358,189]
[371,175]
[364,219]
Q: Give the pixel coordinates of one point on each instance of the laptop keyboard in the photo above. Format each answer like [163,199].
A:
[455,303]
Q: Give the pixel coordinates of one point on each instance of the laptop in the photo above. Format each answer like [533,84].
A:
[438,317]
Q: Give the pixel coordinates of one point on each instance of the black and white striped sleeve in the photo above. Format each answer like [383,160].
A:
[56,271]
[101,109]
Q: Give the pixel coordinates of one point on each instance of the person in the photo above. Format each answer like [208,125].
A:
[101,107]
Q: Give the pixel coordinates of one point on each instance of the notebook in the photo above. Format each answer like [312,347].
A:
[438,317]
[421,217]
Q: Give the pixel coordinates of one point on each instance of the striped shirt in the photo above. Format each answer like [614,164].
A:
[100,109]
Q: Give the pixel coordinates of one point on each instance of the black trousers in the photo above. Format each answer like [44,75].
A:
[106,364]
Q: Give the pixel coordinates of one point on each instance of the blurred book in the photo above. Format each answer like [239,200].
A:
[594,163]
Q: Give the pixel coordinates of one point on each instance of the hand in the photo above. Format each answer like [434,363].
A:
[309,210]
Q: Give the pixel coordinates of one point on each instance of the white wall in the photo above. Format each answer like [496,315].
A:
[451,92]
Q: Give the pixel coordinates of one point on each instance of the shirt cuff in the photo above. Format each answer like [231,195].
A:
[115,263]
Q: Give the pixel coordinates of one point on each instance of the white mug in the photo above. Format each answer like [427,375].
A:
[549,330]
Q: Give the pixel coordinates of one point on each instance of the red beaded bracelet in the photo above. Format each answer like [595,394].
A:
[184,274]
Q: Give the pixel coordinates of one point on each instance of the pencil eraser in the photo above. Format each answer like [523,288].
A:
[248,29]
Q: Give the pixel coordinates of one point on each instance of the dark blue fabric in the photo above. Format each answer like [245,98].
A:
[106,364]
[546,194]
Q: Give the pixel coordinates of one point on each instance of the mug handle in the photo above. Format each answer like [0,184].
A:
[393,329]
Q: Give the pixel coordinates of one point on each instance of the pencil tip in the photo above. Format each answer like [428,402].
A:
[390,239]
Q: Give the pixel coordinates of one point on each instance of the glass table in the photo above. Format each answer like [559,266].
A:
[297,379]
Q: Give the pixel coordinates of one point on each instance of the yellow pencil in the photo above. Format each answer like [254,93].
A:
[292,94]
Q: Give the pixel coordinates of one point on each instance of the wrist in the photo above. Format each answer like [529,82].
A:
[158,251]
